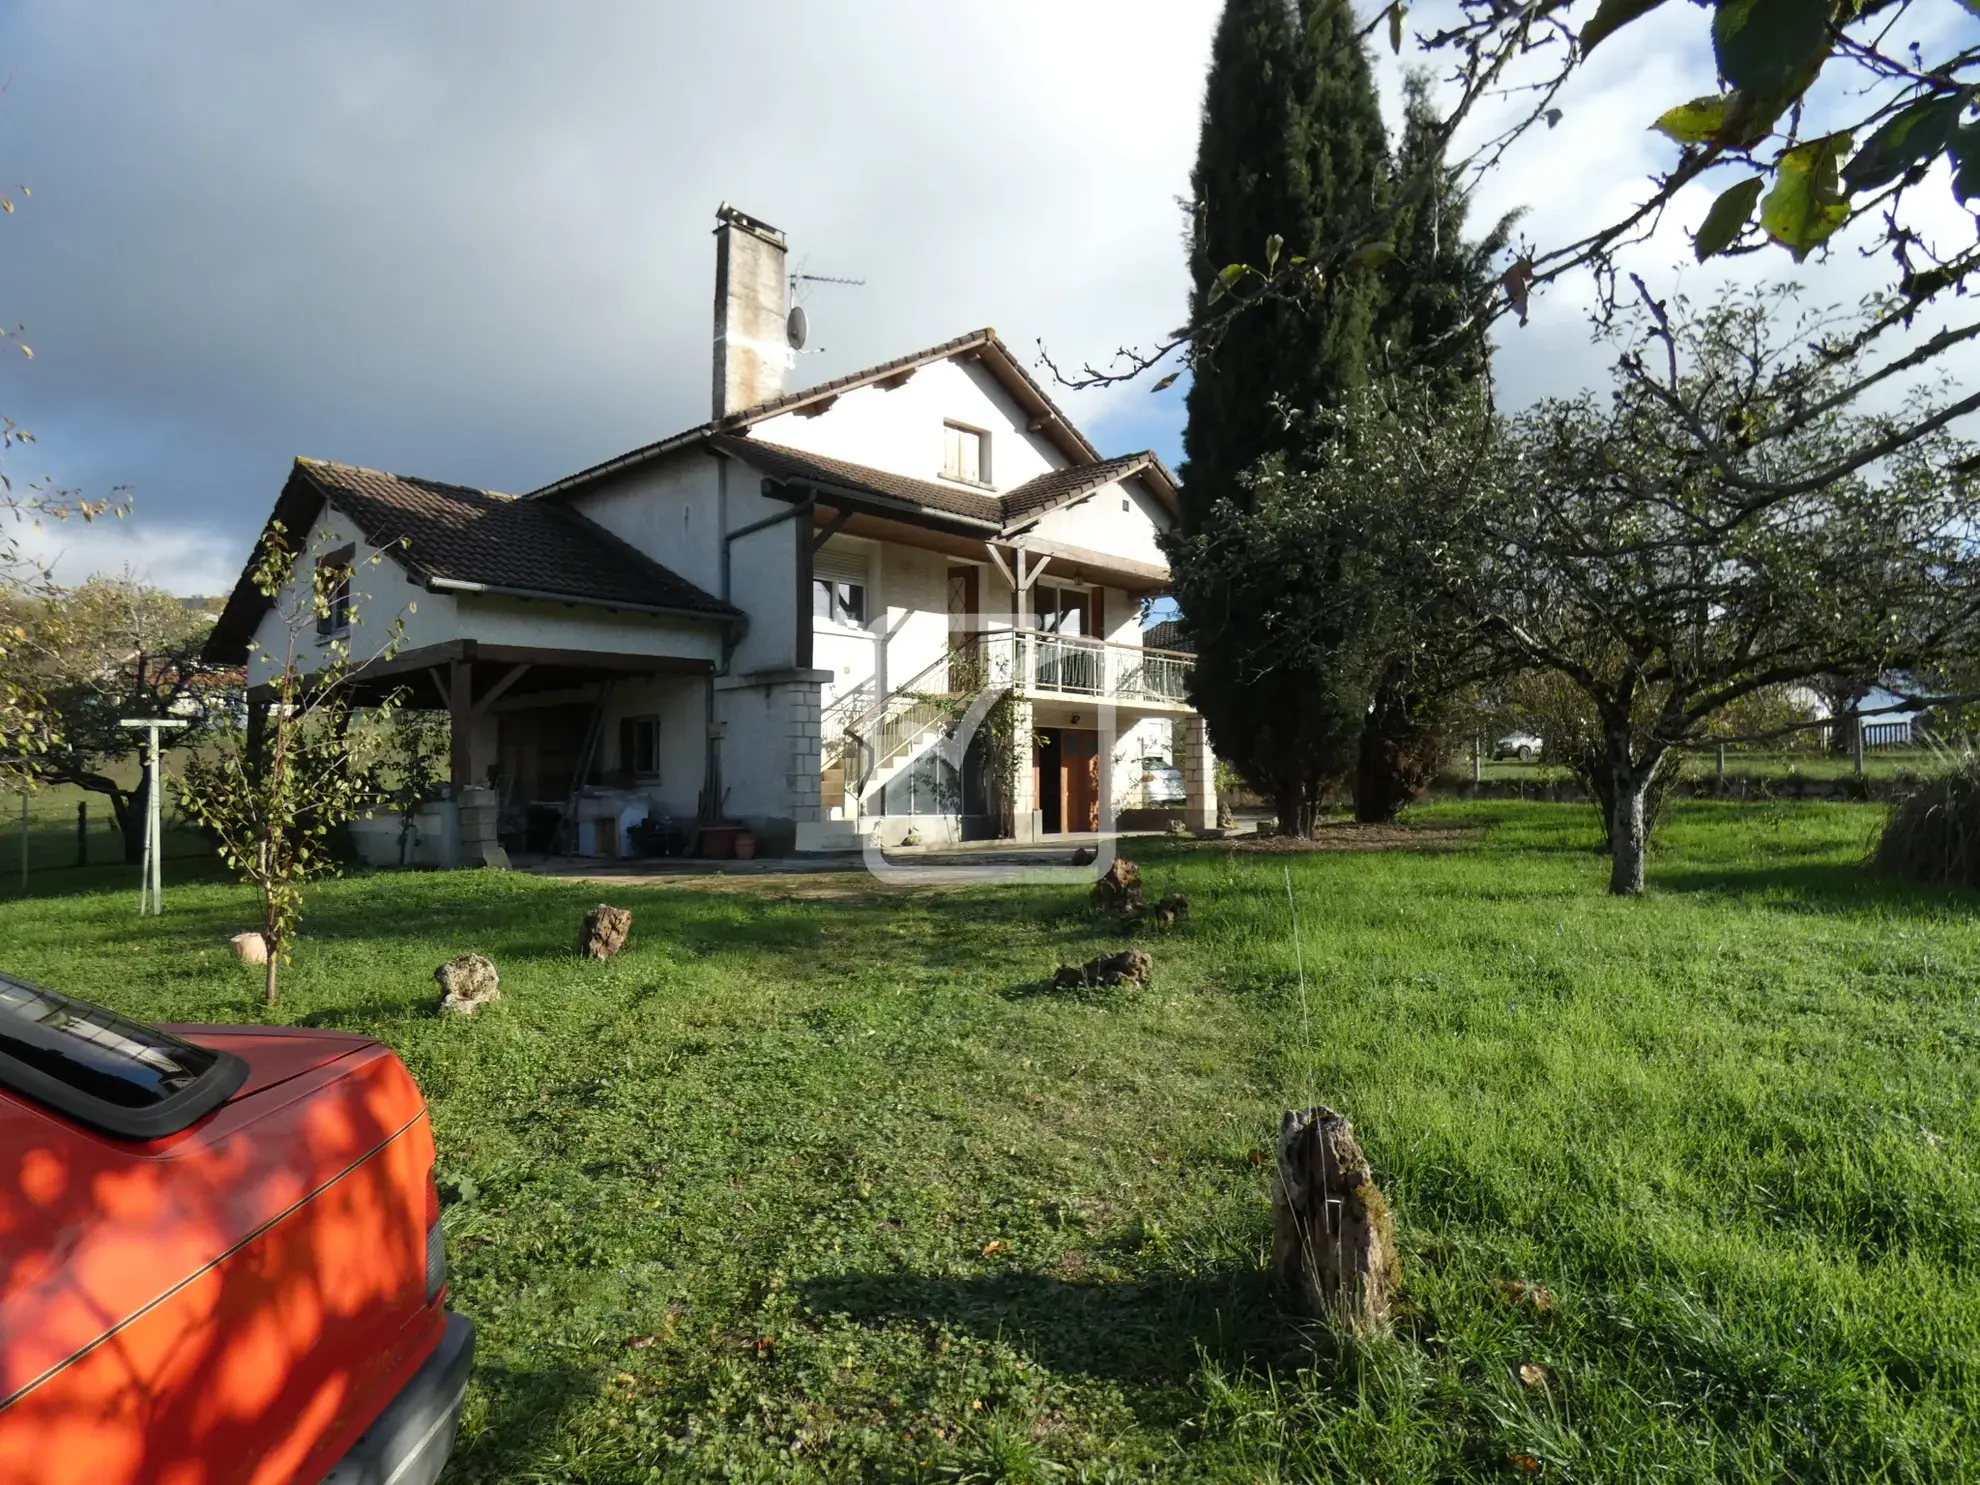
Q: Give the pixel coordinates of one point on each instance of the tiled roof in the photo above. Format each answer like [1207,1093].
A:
[1167,635]
[499,541]
[782,463]
[463,535]
[1035,496]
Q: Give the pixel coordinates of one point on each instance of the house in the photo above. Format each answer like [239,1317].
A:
[790,616]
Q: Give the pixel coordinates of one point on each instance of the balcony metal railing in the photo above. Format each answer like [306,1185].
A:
[1039,664]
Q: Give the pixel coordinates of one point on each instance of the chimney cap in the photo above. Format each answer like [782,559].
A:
[729,216]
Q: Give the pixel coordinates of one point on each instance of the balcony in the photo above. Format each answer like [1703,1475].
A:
[1048,666]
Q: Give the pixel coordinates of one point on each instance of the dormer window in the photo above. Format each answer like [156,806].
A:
[965,454]
[333,592]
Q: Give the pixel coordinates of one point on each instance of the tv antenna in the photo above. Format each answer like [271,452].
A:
[797,325]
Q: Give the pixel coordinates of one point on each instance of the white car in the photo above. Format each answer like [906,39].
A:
[1521,745]
[1161,782]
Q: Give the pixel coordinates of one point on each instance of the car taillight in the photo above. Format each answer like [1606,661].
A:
[436,1244]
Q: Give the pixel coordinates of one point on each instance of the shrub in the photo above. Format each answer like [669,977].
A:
[1933,834]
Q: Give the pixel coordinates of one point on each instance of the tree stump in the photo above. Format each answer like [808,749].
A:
[1129,967]
[249,948]
[604,931]
[467,983]
[1119,891]
[1333,1236]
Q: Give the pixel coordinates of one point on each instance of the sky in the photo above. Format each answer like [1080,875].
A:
[471,241]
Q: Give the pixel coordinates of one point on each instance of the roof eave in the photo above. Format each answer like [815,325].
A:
[579,600]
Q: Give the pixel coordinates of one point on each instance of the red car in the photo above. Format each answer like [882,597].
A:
[220,1257]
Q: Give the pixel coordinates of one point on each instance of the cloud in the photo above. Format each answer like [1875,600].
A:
[464,242]
[180,558]
[470,240]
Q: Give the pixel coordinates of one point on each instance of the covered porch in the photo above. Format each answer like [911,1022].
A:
[549,751]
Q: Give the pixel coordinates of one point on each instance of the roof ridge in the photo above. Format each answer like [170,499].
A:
[311,463]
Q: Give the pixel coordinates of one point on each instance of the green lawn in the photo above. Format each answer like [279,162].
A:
[817,1182]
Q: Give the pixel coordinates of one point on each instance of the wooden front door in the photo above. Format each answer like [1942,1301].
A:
[1080,749]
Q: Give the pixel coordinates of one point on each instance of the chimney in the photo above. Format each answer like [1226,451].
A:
[751,350]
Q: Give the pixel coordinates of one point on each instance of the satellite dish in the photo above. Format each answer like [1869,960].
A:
[796,327]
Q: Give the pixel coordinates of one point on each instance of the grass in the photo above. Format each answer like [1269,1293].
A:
[816,1182]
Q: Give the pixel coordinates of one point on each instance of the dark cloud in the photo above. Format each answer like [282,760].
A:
[471,240]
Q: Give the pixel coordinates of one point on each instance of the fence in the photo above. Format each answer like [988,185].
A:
[67,827]
[1890,751]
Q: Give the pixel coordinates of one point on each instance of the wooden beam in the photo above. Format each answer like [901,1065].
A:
[830,529]
[460,720]
[440,684]
[494,693]
[997,560]
[801,647]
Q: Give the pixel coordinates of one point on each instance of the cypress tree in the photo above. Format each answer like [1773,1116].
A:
[1427,327]
[1428,335]
[1292,147]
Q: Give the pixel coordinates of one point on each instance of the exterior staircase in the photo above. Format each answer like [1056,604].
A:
[868,742]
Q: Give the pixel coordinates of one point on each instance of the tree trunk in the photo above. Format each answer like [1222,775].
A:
[1627,839]
[1629,815]
[133,811]
[273,936]
[1299,809]
[127,810]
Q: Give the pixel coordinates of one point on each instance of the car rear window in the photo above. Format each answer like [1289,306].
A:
[105,1070]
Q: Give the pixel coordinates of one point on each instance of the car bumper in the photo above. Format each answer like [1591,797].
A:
[410,1441]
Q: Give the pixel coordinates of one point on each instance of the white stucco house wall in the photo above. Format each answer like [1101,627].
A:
[776,618]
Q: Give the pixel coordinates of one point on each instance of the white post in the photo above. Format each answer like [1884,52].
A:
[157,865]
[151,885]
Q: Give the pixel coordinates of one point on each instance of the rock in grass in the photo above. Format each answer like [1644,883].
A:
[467,983]
[249,948]
[604,931]
[1119,891]
[1171,910]
[1129,967]
[1333,1235]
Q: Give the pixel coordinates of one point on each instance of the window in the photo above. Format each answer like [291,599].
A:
[101,1070]
[837,602]
[639,746]
[965,454]
[1060,610]
[333,592]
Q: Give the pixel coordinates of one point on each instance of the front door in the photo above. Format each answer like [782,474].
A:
[1048,779]
[1081,751]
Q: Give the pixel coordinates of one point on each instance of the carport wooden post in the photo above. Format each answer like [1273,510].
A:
[460,720]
